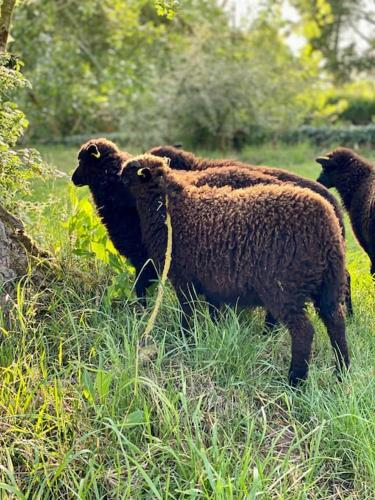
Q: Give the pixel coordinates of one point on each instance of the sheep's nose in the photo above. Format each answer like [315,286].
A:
[77,178]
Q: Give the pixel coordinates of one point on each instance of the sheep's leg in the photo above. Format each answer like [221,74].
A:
[270,322]
[348,295]
[302,333]
[213,309]
[335,324]
[145,276]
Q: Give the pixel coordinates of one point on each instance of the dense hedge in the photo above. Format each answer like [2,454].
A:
[350,135]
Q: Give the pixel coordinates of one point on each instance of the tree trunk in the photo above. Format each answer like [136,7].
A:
[7,8]
[16,249]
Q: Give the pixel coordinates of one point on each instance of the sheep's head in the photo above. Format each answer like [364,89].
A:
[335,164]
[147,171]
[143,169]
[99,161]
[179,159]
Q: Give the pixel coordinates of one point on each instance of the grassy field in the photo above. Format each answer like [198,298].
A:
[89,409]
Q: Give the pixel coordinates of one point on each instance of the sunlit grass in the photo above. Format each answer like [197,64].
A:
[88,410]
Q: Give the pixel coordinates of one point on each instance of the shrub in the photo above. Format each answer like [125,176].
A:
[359,99]
[350,135]
[17,167]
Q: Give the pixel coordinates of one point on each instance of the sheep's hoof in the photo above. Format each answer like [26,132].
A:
[296,377]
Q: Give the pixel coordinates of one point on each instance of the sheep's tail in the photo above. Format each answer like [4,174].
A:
[163,279]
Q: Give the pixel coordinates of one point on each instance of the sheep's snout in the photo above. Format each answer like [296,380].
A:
[78,178]
[325,180]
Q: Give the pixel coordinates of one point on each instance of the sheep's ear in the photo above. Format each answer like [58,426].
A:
[94,151]
[324,161]
[144,173]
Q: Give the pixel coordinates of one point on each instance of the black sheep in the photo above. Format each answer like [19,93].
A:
[99,165]
[278,246]
[354,179]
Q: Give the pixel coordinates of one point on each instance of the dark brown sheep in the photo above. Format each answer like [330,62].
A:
[354,179]
[236,177]
[185,160]
[99,165]
[278,246]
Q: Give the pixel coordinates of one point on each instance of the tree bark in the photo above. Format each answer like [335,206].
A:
[16,249]
[7,8]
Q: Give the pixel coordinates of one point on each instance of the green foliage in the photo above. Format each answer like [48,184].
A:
[325,135]
[194,78]
[331,28]
[359,102]
[165,71]
[221,91]
[89,61]
[17,167]
[166,8]
[359,110]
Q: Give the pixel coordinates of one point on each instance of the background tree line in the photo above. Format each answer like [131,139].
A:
[190,74]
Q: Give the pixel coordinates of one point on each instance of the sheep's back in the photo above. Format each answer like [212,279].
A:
[278,174]
[230,241]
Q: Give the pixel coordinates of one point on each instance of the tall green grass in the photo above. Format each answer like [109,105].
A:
[90,409]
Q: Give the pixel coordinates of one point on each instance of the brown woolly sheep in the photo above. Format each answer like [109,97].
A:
[185,160]
[99,165]
[278,246]
[354,179]
[235,177]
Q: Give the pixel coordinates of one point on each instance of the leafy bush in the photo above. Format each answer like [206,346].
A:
[220,91]
[17,167]
[359,98]
[90,61]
